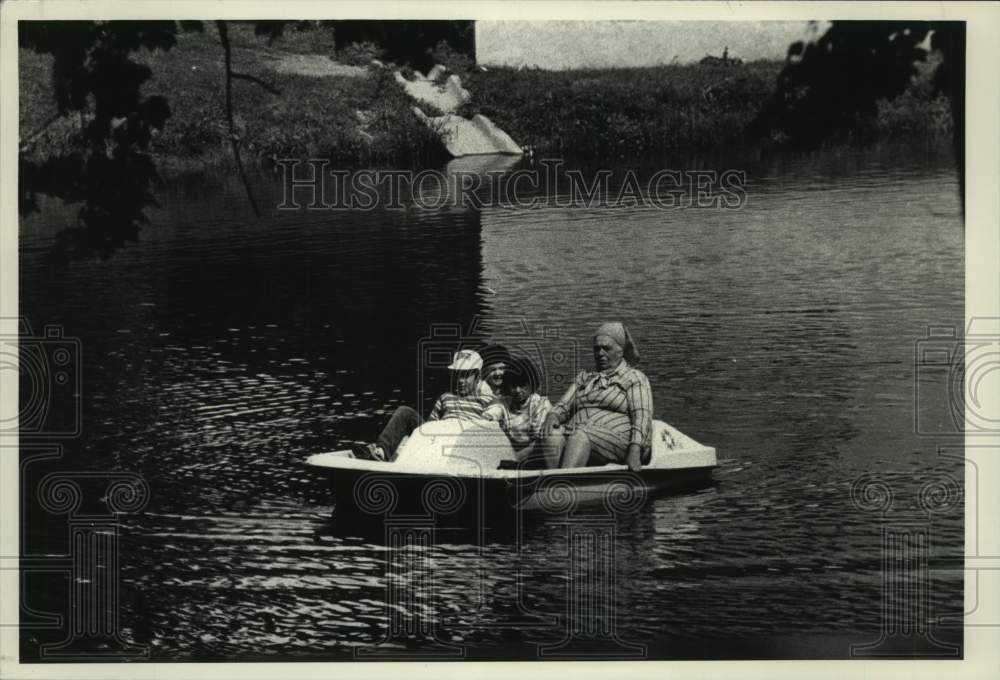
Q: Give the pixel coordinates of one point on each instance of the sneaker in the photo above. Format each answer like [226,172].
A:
[368,452]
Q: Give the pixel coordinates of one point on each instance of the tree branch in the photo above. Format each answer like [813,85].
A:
[233,137]
[30,138]
[257,81]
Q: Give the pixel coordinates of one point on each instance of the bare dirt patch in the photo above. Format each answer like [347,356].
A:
[315,66]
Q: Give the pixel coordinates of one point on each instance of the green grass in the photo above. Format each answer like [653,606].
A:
[311,117]
[628,110]
[600,113]
[918,111]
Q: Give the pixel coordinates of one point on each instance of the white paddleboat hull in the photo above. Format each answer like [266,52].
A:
[450,466]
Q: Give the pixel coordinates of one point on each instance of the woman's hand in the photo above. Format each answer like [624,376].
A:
[550,423]
[633,457]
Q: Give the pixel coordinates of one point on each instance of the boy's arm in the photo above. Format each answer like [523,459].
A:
[438,409]
[498,412]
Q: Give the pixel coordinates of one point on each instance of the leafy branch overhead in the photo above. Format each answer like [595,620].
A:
[829,87]
[108,169]
[234,139]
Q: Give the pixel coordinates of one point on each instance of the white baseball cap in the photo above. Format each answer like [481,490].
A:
[466,360]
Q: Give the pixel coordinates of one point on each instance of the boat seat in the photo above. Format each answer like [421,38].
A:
[455,445]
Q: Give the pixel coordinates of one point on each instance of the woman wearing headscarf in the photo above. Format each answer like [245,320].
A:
[606,415]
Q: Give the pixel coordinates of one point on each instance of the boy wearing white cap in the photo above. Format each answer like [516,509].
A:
[466,402]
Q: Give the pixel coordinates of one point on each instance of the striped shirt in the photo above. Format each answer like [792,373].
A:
[619,400]
[524,424]
[469,407]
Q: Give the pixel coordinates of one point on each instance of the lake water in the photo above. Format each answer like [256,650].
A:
[221,350]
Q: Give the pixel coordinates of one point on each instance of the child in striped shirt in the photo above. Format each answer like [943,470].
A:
[523,411]
[466,403]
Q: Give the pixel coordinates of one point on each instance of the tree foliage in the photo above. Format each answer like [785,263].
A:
[831,85]
[109,169]
[110,172]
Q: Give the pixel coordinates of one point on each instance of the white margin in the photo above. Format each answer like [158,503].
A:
[981,644]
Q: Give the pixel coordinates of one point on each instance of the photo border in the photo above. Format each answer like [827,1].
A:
[982,291]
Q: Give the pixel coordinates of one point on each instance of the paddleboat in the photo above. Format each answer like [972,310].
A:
[468,468]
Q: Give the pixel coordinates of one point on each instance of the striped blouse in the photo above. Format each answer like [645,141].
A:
[620,399]
[469,407]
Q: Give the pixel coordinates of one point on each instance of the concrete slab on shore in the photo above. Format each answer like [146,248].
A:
[461,136]
[465,137]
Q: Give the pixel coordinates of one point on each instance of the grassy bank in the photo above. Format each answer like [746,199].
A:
[361,116]
[635,110]
[631,110]
[323,109]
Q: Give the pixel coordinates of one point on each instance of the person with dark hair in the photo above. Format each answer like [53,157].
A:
[496,359]
[606,415]
[521,411]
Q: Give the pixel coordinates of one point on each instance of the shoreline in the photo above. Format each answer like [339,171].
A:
[360,117]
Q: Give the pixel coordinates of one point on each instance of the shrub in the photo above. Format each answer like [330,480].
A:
[910,113]
[619,111]
[456,62]
[397,133]
[360,53]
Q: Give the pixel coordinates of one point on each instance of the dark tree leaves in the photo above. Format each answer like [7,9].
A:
[830,86]
[829,89]
[949,39]
[94,77]
[272,30]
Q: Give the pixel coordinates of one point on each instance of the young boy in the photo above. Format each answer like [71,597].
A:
[466,402]
[522,411]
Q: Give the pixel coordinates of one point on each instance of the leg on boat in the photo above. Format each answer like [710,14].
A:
[577,451]
[531,456]
[403,421]
[552,448]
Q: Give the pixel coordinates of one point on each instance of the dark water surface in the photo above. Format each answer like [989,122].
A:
[221,350]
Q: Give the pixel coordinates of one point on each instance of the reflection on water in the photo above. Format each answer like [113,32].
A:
[220,351]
